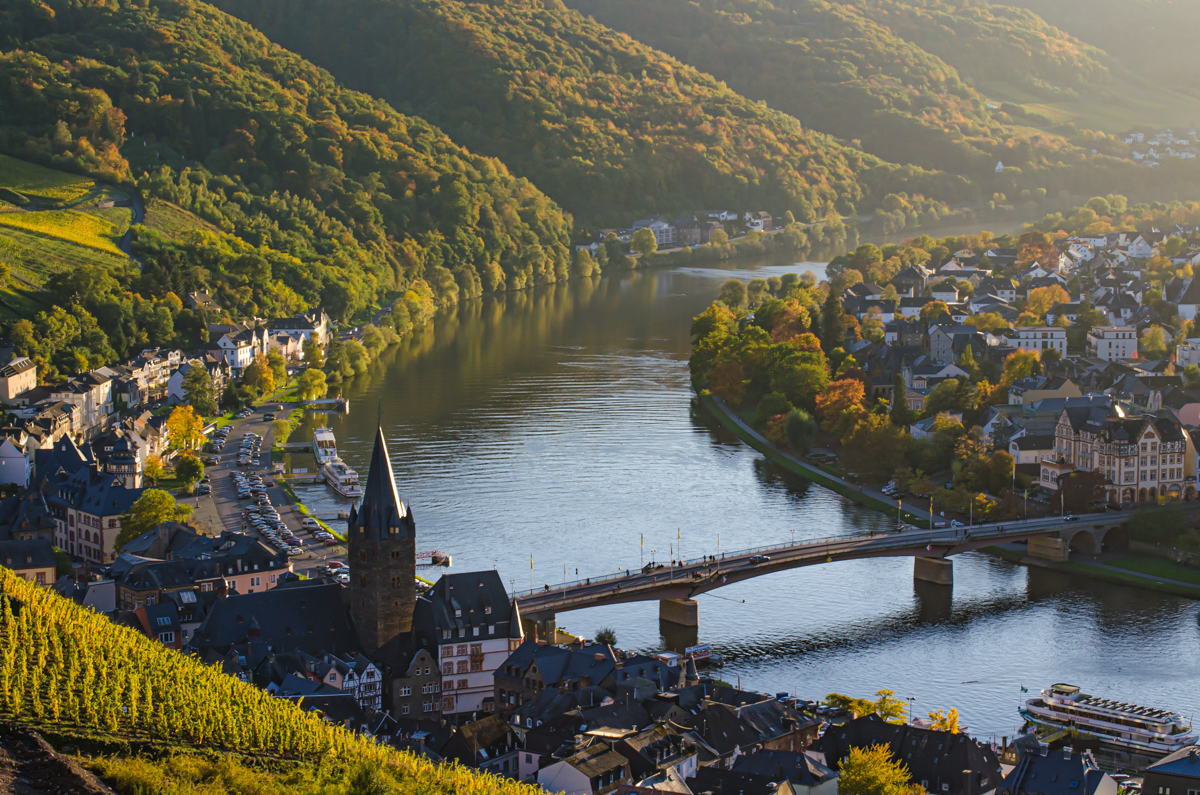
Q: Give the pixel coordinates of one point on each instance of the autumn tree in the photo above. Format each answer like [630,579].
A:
[934,311]
[278,366]
[944,721]
[1153,343]
[153,470]
[259,375]
[840,406]
[644,242]
[874,447]
[1042,299]
[185,428]
[313,355]
[885,705]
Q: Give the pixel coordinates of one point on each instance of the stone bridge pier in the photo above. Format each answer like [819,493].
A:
[938,571]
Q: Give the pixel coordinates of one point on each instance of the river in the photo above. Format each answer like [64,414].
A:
[555,429]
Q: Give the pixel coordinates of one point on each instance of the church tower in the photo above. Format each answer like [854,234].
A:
[382,545]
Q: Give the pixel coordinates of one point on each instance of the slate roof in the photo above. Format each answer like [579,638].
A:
[36,554]
[1184,762]
[718,781]
[311,618]
[1056,774]
[464,601]
[382,513]
[96,493]
[797,767]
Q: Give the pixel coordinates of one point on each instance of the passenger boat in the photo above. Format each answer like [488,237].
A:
[341,478]
[1114,724]
[324,446]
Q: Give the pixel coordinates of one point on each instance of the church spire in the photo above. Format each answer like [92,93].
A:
[382,513]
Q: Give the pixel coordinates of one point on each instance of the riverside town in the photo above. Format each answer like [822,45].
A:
[597,397]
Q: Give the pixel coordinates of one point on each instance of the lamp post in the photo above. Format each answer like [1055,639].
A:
[910,700]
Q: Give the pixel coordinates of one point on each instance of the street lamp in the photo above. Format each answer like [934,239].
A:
[910,700]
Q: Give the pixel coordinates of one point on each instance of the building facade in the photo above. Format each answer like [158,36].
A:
[1112,343]
[1038,338]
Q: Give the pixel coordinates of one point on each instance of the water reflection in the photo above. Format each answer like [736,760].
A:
[555,430]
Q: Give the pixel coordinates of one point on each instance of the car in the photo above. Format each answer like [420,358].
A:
[1070,518]
[343,578]
[330,542]
[1113,507]
[279,407]
[760,559]
[268,417]
[337,564]
[956,523]
[940,525]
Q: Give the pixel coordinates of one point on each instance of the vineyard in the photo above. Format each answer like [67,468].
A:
[83,229]
[65,666]
[35,182]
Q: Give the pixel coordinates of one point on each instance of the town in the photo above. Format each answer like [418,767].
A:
[453,670]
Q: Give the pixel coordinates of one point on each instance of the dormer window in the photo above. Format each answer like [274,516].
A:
[487,610]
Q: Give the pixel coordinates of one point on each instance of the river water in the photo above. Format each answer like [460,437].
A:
[554,431]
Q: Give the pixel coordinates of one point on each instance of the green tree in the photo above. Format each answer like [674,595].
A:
[278,366]
[606,636]
[189,469]
[311,384]
[1191,377]
[198,390]
[800,429]
[153,470]
[772,405]
[833,323]
[154,507]
[643,242]
[313,355]
[900,414]
[733,294]
[1154,343]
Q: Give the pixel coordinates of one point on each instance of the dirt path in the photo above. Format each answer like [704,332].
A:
[29,766]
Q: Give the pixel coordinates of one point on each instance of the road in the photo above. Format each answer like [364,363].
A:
[687,579]
[228,508]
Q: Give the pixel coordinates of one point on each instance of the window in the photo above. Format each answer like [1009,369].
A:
[462,684]
[406,691]
[166,637]
[462,666]
[163,621]
[487,610]
[491,629]
[427,706]
[404,709]
[476,648]
[475,631]
[462,650]
[447,669]
[255,582]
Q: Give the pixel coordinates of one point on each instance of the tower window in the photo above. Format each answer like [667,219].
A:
[362,581]
[395,556]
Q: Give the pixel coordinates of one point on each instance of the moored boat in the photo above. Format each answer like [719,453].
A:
[1116,725]
[341,478]
[324,445]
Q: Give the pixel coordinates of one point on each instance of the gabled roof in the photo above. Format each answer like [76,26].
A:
[1184,762]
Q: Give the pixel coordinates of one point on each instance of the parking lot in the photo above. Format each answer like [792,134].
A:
[246,498]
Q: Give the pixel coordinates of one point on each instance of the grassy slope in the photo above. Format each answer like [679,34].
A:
[172,221]
[37,182]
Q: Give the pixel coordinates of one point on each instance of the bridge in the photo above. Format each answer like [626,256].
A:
[676,586]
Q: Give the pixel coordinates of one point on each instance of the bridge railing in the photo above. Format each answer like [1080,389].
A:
[838,544]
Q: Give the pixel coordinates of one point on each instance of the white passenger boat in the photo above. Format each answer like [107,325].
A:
[341,478]
[1114,724]
[324,446]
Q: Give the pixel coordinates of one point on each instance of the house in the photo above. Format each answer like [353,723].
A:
[202,302]
[1027,391]
[469,618]
[924,428]
[1175,774]
[91,392]
[948,343]
[1031,449]
[806,775]
[664,233]
[939,761]
[946,291]
[16,378]
[305,615]
[219,373]
[15,467]
[1038,338]
[30,560]
[1059,772]
[1145,245]
[161,622]
[594,770]
[88,505]
[310,325]
[1188,352]
[1185,294]
[759,221]
[532,668]
[1112,343]
[237,349]
[689,230]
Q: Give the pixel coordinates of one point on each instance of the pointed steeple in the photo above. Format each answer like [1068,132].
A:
[382,515]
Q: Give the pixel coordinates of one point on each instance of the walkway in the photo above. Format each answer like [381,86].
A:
[819,473]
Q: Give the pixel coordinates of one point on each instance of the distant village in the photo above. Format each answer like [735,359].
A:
[691,229]
[1163,145]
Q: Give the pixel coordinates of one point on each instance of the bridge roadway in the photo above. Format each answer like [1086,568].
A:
[690,578]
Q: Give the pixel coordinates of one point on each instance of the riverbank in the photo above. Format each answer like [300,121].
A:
[1121,569]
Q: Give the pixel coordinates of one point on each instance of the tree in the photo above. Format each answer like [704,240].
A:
[311,384]
[872,325]
[933,311]
[1191,377]
[944,721]
[718,238]
[643,242]
[313,355]
[189,469]
[733,294]
[1154,343]
[833,323]
[154,507]
[885,705]
[946,396]
[840,406]
[987,321]
[772,404]
[198,390]
[283,429]
[1042,299]
[1080,490]
[259,375]
[971,446]
[185,428]
[874,447]
[1018,365]
[278,366]
[801,380]
[606,636]
[153,469]
[800,429]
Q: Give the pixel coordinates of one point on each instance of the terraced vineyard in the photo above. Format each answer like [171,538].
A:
[32,182]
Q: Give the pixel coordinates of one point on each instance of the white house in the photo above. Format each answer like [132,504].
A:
[310,325]
[1188,353]
[17,377]
[1143,246]
[14,465]
[92,394]
[664,233]
[237,349]
[1112,343]
[1038,338]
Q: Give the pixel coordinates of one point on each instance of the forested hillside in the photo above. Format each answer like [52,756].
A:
[328,197]
[995,46]
[605,125]
[842,68]
[1145,36]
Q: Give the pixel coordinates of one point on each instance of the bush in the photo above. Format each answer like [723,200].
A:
[800,429]
[772,404]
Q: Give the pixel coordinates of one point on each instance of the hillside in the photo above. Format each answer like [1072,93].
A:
[336,198]
[607,126]
[69,669]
